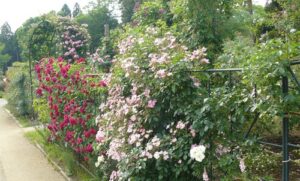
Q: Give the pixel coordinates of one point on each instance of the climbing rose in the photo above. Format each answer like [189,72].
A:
[242,165]
[180,125]
[151,103]
[205,175]
[100,136]
[197,153]
[39,92]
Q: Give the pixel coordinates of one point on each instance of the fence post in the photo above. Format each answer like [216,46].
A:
[285,133]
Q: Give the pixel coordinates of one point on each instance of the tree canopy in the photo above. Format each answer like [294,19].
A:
[65,11]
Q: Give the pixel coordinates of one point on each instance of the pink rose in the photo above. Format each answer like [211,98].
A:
[151,103]
[100,136]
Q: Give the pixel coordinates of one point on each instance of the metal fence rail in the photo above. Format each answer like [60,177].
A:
[285,118]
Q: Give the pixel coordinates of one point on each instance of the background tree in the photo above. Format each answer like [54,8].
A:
[23,35]
[96,18]
[127,9]
[4,58]
[65,11]
[250,6]
[208,23]
[8,38]
[76,10]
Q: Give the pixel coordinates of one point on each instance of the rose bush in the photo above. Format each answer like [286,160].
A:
[157,113]
[74,39]
[72,97]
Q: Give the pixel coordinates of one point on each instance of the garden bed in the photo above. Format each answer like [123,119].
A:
[294,153]
[64,158]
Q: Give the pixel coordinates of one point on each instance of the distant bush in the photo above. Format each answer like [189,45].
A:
[2,85]
[18,89]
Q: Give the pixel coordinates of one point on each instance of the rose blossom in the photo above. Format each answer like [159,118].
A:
[242,165]
[205,175]
[151,103]
[161,73]
[100,136]
[198,153]
[180,125]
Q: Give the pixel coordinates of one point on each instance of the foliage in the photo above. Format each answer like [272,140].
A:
[41,40]
[149,13]
[76,10]
[4,58]
[281,18]
[65,11]
[18,89]
[8,38]
[35,37]
[95,20]
[206,23]
[263,162]
[127,8]
[264,65]
[23,35]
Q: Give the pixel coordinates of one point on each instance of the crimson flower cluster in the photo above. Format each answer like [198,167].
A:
[69,95]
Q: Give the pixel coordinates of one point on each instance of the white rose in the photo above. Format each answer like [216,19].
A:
[198,153]
[156,155]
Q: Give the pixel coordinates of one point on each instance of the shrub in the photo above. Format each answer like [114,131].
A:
[69,94]
[18,89]
[156,113]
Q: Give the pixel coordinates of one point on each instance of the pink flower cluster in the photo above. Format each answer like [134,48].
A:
[74,40]
[131,119]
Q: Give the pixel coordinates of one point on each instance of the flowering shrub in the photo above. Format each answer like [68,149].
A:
[146,125]
[70,95]
[150,12]
[99,61]
[74,38]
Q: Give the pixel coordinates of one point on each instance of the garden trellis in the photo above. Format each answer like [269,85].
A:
[285,118]
[41,39]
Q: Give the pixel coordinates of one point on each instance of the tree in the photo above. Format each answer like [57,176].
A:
[76,10]
[8,38]
[128,8]
[6,32]
[23,35]
[204,23]
[96,18]
[250,6]
[4,58]
[65,11]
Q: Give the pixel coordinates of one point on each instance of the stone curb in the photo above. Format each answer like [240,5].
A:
[14,118]
[60,170]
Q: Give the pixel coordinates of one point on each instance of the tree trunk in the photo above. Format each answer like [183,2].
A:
[250,6]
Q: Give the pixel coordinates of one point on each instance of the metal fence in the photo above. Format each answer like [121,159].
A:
[285,118]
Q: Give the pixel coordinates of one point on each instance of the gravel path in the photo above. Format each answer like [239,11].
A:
[20,160]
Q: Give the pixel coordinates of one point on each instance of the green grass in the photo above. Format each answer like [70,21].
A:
[23,120]
[63,157]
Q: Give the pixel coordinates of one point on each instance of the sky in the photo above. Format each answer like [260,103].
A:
[16,12]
